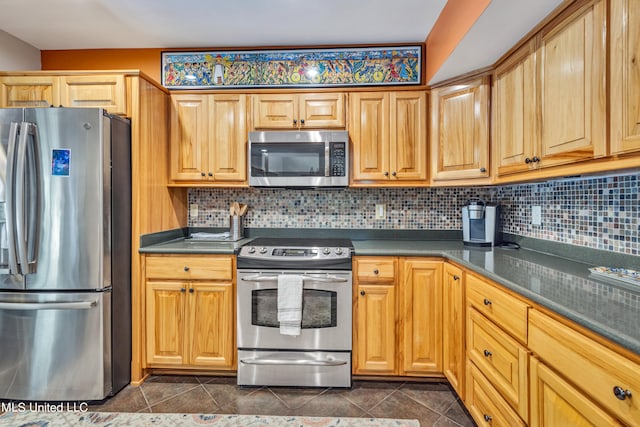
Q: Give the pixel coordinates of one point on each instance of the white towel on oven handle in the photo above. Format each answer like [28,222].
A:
[290,288]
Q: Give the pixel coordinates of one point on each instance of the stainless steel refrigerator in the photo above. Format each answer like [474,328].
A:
[65,254]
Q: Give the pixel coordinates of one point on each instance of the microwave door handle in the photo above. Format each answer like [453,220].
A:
[10,202]
[327,158]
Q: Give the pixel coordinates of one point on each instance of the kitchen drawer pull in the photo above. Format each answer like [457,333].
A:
[376,271]
[363,293]
[621,393]
[186,268]
[487,353]
[456,277]
[183,289]
[487,418]
[487,301]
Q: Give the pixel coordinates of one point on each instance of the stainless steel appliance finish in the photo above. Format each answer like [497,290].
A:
[299,159]
[481,224]
[65,238]
[321,355]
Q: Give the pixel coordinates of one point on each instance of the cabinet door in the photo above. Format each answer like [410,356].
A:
[108,92]
[211,325]
[275,111]
[369,132]
[408,136]
[29,91]
[625,76]
[227,137]
[572,83]
[555,403]
[515,119]
[460,130]
[165,320]
[189,114]
[453,329]
[375,330]
[421,316]
[321,110]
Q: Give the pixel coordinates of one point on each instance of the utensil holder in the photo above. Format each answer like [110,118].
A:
[236,227]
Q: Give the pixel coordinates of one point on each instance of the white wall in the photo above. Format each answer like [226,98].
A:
[17,55]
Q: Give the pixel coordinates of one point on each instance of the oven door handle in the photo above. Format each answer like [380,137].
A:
[297,362]
[270,278]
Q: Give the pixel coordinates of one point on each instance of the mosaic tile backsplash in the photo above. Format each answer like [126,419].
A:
[598,213]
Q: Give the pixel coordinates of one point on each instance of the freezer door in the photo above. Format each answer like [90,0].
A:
[74,246]
[55,347]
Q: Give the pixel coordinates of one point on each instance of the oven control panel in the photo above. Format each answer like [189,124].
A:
[291,253]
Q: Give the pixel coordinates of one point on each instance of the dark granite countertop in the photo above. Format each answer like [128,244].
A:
[555,282]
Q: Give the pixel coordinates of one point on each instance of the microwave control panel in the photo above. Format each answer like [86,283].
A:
[338,159]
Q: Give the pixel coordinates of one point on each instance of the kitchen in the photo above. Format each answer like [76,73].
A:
[594,213]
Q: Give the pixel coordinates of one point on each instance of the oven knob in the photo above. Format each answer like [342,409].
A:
[251,250]
[263,250]
[338,251]
[326,251]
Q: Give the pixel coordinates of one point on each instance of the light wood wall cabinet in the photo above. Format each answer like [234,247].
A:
[515,120]
[550,95]
[190,312]
[299,111]
[625,76]
[497,356]
[106,91]
[460,130]
[208,139]
[453,327]
[388,131]
[604,380]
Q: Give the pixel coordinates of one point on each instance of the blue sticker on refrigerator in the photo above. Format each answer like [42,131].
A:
[60,162]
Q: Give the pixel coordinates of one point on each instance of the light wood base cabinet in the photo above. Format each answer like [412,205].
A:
[556,403]
[453,327]
[190,312]
[397,316]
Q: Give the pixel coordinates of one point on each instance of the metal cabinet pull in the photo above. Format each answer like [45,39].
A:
[487,353]
[183,289]
[376,271]
[362,293]
[621,393]
[301,121]
[487,418]
[483,170]
[191,290]
[186,268]
[456,277]
[487,301]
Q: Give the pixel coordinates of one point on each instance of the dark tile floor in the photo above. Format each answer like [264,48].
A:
[433,404]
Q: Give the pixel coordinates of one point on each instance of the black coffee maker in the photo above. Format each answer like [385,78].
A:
[481,223]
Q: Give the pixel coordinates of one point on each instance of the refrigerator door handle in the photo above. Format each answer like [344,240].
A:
[25,210]
[10,202]
[73,305]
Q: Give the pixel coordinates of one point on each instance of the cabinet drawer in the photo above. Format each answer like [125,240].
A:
[502,360]
[189,267]
[589,365]
[485,404]
[498,306]
[376,269]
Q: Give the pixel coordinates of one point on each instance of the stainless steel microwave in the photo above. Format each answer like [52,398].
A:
[302,159]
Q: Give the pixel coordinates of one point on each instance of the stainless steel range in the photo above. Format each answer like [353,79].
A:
[294,312]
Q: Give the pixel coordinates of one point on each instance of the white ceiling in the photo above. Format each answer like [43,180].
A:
[93,24]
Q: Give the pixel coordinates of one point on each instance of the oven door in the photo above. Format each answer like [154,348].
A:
[326,311]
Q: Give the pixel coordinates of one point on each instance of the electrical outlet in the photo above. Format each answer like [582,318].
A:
[536,215]
[381,211]
[193,210]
